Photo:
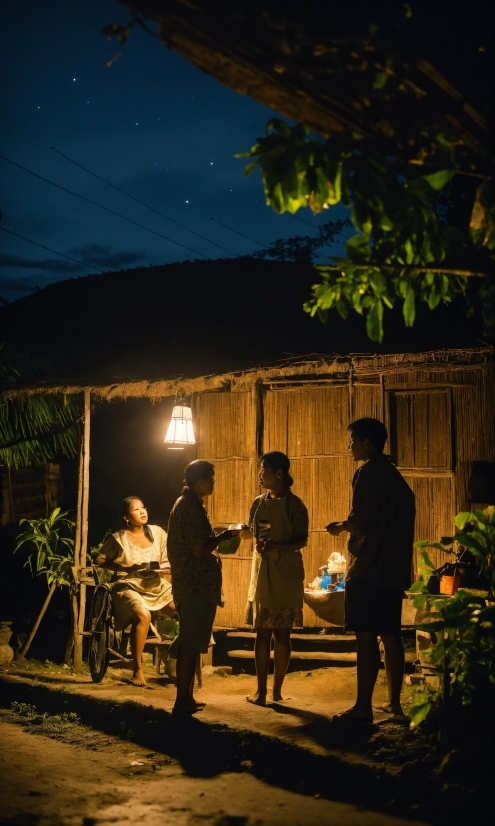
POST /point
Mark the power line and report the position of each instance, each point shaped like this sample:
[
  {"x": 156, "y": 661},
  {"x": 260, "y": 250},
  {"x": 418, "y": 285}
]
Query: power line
[
  {"x": 55, "y": 252},
  {"x": 127, "y": 194},
  {"x": 239, "y": 233},
  {"x": 112, "y": 212},
  {"x": 304, "y": 222}
]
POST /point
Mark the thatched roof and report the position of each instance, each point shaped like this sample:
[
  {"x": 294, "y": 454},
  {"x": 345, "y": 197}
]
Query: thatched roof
[
  {"x": 317, "y": 62},
  {"x": 311, "y": 368}
]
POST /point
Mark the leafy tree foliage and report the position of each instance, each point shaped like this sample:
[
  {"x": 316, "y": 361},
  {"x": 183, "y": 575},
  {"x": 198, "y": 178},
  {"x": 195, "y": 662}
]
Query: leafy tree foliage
[
  {"x": 399, "y": 94},
  {"x": 405, "y": 248}
]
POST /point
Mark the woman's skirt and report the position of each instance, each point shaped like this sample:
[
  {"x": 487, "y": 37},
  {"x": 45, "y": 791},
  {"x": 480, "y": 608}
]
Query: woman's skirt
[
  {"x": 126, "y": 601},
  {"x": 277, "y": 618}
]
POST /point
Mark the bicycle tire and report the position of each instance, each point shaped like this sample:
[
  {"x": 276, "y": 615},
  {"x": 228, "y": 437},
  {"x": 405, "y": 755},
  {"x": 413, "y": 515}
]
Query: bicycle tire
[{"x": 100, "y": 615}]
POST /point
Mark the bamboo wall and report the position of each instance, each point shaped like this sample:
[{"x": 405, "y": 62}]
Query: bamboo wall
[
  {"x": 30, "y": 493},
  {"x": 440, "y": 420}
]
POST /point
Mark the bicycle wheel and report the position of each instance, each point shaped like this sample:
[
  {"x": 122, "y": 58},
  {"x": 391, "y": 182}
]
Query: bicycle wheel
[{"x": 100, "y": 633}]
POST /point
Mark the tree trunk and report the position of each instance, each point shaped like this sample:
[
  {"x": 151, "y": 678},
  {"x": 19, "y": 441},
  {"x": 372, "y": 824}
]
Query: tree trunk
[{"x": 41, "y": 614}]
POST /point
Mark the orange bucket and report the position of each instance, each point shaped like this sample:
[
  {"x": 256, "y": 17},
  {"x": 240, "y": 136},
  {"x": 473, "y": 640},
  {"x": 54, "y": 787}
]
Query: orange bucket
[{"x": 449, "y": 585}]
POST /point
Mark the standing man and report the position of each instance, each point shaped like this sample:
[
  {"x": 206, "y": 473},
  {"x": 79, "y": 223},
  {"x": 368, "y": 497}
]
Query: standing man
[{"x": 381, "y": 528}]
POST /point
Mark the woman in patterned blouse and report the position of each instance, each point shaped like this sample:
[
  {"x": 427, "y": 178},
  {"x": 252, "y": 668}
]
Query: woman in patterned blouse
[{"x": 196, "y": 575}]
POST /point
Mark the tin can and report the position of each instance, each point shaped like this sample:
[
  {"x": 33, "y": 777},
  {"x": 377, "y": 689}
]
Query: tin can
[{"x": 264, "y": 529}]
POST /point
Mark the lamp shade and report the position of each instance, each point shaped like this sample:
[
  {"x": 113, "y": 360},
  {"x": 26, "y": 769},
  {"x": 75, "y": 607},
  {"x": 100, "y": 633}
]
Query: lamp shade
[{"x": 180, "y": 430}]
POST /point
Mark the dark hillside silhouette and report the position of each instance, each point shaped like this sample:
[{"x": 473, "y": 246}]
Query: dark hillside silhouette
[{"x": 201, "y": 317}]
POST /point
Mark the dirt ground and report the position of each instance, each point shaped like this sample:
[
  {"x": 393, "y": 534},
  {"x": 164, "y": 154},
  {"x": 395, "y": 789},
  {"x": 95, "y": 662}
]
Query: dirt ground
[
  {"x": 233, "y": 764},
  {"x": 44, "y": 782}
]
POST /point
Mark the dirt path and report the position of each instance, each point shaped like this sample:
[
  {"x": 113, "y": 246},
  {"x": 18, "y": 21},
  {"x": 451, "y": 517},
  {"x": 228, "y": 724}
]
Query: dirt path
[{"x": 97, "y": 781}]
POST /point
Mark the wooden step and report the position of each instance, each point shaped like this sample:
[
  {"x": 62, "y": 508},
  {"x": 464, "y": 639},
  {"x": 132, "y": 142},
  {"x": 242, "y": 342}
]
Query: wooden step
[
  {"x": 301, "y": 642},
  {"x": 341, "y": 657},
  {"x": 318, "y": 638}
]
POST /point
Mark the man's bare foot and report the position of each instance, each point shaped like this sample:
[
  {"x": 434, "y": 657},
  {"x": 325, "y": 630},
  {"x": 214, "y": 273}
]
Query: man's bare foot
[
  {"x": 189, "y": 706},
  {"x": 356, "y": 714},
  {"x": 390, "y": 708},
  {"x": 185, "y": 707},
  {"x": 277, "y": 698},
  {"x": 138, "y": 679},
  {"x": 257, "y": 699}
]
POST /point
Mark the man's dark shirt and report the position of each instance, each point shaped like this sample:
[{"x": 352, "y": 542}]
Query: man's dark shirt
[{"x": 382, "y": 514}]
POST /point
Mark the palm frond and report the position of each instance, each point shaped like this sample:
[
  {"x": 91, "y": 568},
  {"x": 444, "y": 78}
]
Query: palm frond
[{"x": 34, "y": 429}]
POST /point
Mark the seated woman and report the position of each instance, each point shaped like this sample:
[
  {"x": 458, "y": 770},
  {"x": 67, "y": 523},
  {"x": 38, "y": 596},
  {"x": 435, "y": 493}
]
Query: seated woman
[{"x": 138, "y": 590}]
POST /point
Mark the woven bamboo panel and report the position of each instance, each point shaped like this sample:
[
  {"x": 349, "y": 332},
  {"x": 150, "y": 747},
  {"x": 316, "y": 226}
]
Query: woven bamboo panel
[
  {"x": 435, "y": 511},
  {"x": 366, "y": 400},
  {"x": 227, "y": 425},
  {"x": 306, "y": 421},
  {"x": 317, "y": 420},
  {"x": 275, "y": 420},
  {"x": 420, "y": 429},
  {"x": 331, "y": 490},
  {"x": 235, "y": 490},
  {"x": 236, "y": 574},
  {"x": 469, "y": 425}
]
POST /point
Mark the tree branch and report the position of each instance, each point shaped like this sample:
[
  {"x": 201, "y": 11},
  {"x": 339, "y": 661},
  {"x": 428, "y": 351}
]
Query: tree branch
[{"x": 412, "y": 268}]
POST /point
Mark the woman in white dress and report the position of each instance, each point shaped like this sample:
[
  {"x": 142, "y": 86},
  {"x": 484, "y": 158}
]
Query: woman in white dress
[
  {"x": 138, "y": 589},
  {"x": 278, "y": 522}
]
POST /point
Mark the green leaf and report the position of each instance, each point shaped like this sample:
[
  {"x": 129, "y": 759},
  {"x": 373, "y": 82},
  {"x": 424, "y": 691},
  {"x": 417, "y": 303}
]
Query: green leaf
[
  {"x": 250, "y": 168},
  {"x": 409, "y": 308},
  {"x": 358, "y": 248},
  {"x": 374, "y": 321},
  {"x": 437, "y": 180}
]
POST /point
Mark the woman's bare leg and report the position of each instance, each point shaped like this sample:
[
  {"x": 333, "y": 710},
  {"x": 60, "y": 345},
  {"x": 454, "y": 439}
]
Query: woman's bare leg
[
  {"x": 281, "y": 658},
  {"x": 262, "y": 659},
  {"x": 140, "y": 624}
]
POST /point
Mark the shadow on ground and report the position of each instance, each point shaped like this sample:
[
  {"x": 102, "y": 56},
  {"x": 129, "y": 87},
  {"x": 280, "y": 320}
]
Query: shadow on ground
[{"x": 206, "y": 750}]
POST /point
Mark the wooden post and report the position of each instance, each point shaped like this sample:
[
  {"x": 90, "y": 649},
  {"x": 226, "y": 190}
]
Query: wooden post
[{"x": 81, "y": 538}]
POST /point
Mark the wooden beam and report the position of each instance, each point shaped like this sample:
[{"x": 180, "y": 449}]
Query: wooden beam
[{"x": 81, "y": 537}]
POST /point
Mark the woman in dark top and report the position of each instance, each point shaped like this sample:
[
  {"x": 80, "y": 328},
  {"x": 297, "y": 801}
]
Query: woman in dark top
[{"x": 196, "y": 575}]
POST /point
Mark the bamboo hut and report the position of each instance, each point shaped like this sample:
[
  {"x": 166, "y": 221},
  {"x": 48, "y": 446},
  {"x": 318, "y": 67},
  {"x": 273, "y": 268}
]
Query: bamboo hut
[{"x": 438, "y": 407}]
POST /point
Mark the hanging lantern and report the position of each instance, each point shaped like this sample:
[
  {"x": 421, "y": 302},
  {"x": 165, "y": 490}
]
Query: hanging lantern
[{"x": 180, "y": 430}]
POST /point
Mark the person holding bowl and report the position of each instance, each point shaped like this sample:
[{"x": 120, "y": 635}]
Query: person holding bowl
[
  {"x": 278, "y": 521},
  {"x": 196, "y": 576},
  {"x": 137, "y": 553}
]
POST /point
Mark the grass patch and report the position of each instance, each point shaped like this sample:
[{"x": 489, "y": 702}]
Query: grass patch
[{"x": 65, "y": 727}]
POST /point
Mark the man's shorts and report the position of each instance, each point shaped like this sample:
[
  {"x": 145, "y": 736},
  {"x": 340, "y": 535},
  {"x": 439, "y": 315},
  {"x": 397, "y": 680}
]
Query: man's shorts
[
  {"x": 370, "y": 608},
  {"x": 196, "y": 618}
]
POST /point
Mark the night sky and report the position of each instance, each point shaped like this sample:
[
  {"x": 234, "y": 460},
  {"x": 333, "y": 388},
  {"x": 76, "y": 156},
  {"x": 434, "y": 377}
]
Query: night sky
[{"x": 151, "y": 124}]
